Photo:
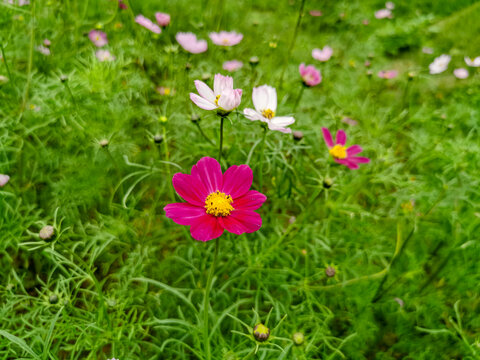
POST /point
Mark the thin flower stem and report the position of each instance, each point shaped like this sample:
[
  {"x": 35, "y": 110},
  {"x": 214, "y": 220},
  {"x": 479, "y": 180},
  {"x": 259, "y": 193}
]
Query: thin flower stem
[
  {"x": 206, "y": 302},
  {"x": 292, "y": 44},
  {"x": 222, "y": 118},
  {"x": 10, "y": 77},
  {"x": 300, "y": 94},
  {"x": 30, "y": 61},
  {"x": 262, "y": 158},
  {"x": 167, "y": 160},
  {"x": 203, "y": 134}
]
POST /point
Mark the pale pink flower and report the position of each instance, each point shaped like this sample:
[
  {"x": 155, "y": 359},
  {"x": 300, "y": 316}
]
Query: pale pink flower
[
  {"x": 148, "y": 24},
  {"x": 122, "y": 5},
  {"x": 104, "y": 55},
  {"x": 310, "y": 75},
  {"x": 349, "y": 121},
  {"x": 43, "y": 50},
  {"x": 232, "y": 65},
  {"x": 162, "y": 19},
  {"x": 473, "y": 63},
  {"x": 460, "y": 73},
  {"x": 47, "y": 42},
  {"x": 388, "y": 74},
  {"x": 99, "y": 38},
  {"x": 365, "y": 22},
  {"x": 4, "y": 179},
  {"x": 189, "y": 42},
  {"x": 265, "y": 101},
  {"x": 440, "y": 64},
  {"x": 225, "y": 38},
  {"x": 224, "y": 97},
  {"x": 427, "y": 50},
  {"x": 390, "y": 5},
  {"x": 322, "y": 54},
  {"x": 383, "y": 13},
  {"x": 315, "y": 13}
]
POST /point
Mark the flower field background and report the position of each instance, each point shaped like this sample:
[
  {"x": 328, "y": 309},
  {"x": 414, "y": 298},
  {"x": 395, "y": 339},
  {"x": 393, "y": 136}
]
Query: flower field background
[{"x": 101, "y": 104}]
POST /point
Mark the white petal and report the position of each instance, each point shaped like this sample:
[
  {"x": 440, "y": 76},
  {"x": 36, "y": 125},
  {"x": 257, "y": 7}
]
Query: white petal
[
  {"x": 205, "y": 91},
  {"x": 279, "y": 128},
  {"x": 222, "y": 83},
  {"x": 260, "y": 98},
  {"x": 253, "y": 115},
  {"x": 228, "y": 100},
  {"x": 280, "y": 121},
  {"x": 272, "y": 98},
  {"x": 201, "y": 102}
]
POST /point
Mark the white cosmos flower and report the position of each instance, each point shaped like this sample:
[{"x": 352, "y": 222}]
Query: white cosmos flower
[
  {"x": 265, "y": 101},
  {"x": 440, "y": 64},
  {"x": 223, "y": 98},
  {"x": 473, "y": 63}
]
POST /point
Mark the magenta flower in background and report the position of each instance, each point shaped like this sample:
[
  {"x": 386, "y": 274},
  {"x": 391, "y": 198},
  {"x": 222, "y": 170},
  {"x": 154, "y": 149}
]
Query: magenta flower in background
[
  {"x": 388, "y": 74},
  {"x": 461, "y": 73},
  {"x": 226, "y": 38},
  {"x": 148, "y": 24},
  {"x": 473, "y": 63},
  {"x": 190, "y": 43},
  {"x": 122, "y": 5},
  {"x": 310, "y": 75},
  {"x": 99, "y": 38},
  {"x": 315, "y": 13},
  {"x": 440, "y": 64},
  {"x": 232, "y": 65},
  {"x": 223, "y": 97},
  {"x": 216, "y": 202},
  {"x": 265, "y": 101},
  {"x": 340, "y": 153},
  {"x": 162, "y": 19},
  {"x": 390, "y": 5},
  {"x": 104, "y": 55},
  {"x": 4, "y": 179},
  {"x": 322, "y": 54},
  {"x": 383, "y": 13}
]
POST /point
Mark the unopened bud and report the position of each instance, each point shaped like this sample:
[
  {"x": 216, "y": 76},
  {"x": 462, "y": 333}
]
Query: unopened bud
[
  {"x": 298, "y": 338},
  {"x": 47, "y": 232},
  {"x": 103, "y": 143},
  {"x": 206, "y": 76},
  {"x": 330, "y": 271},
  {"x": 157, "y": 139},
  {"x": 188, "y": 66},
  {"x": 53, "y": 299},
  {"x": 297, "y": 135},
  {"x": 254, "y": 60},
  {"x": 261, "y": 332},
  {"x": 327, "y": 183},
  {"x": 195, "y": 118},
  {"x": 63, "y": 78}
]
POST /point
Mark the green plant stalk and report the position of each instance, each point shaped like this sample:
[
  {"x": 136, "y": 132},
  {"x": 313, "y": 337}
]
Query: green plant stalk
[
  {"x": 167, "y": 160},
  {"x": 262, "y": 159},
  {"x": 30, "y": 61},
  {"x": 206, "y": 302},
  {"x": 10, "y": 77},
  {"x": 203, "y": 134},
  {"x": 222, "y": 118},
  {"x": 300, "y": 94}
]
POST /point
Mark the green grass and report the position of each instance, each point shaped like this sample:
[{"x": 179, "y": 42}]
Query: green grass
[{"x": 121, "y": 280}]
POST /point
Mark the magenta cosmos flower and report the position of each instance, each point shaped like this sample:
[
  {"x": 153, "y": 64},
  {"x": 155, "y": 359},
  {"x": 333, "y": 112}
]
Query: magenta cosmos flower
[
  {"x": 98, "y": 38},
  {"x": 216, "y": 201},
  {"x": 162, "y": 19},
  {"x": 148, "y": 24},
  {"x": 190, "y": 43},
  {"x": 322, "y": 54},
  {"x": 232, "y": 65},
  {"x": 224, "y": 97},
  {"x": 310, "y": 75},
  {"x": 265, "y": 101},
  {"x": 340, "y": 153},
  {"x": 225, "y": 38}
]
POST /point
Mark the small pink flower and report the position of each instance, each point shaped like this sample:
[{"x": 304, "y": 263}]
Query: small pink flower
[
  {"x": 388, "y": 74},
  {"x": 315, "y": 13},
  {"x": 460, "y": 73},
  {"x": 216, "y": 202},
  {"x": 310, "y": 75},
  {"x": 225, "y": 38},
  {"x": 122, "y": 5},
  {"x": 43, "y": 50},
  {"x": 473, "y": 63},
  {"x": 383, "y": 13},
  {"x": 349, "y": 121},
  {"x": 322, "y": 54},
  {"x": 4, "y": 179},
  {"x": 390, "y": 5},
  {"x": 99, "y": 38},
  {"x": 47, "y": 42},
  {"x": 340, "y": 153},
  {"x": 232, "y": 65},
  {"x": 224, "y": 97},
  {"x": 365, "y": 22},
  {"x": 190, "y": 43},
  {"x": 148, "y": 24},
  {"x": 162, "y": 19},
  {"x": 104, "y": 55},
  {"x": 265, "y": 101},
  {"x": 427, "y": 50}
]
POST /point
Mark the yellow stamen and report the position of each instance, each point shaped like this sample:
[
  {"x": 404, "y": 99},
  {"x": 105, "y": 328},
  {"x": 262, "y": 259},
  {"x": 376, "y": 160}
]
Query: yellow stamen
[
  {"x": 269, "y": 114},
  {"x": 338, "y": 152},
  {"x": 216, "y": 99},
  {"x": 219, "y": 204},
  {"x": 225, "y": 41},
  {"x": 167, "y": 91}
]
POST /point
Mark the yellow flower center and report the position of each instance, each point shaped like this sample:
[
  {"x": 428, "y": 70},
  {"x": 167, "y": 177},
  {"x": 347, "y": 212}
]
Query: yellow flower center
[
  {"x": 269, "y": 114},
  {"x": 338, "y": 152},
  {"x": 167, "y": 91},
  {"x": 97, "y": 38},
  {"x": 219, "y": 204},
  {"x": 262, "y": 329},
  {"x": 216, "y": 99},
  {"x": 225, "y": 41}
]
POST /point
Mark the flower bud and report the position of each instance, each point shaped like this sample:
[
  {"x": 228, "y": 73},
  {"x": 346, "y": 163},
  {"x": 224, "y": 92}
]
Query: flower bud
[
  {"x": 254, "y": 60},
  {"x": 157, "y": 139},
  {"x": 103, "y": 143},
  {"x": 261, "y": 332},
  {"x": 195, "y": 118},
  {"x": 63, "y": 78},
  {"x": 330, "y": 271},
  {"x": 206, "y": 76},
  {"x": 53, "y": 299},
  {"x": 297, "y": 135},
  {"x": 298, "y": 338},
  {"x": 4, "y": 179},
  {"x": 188, "y": 66},
  {"x": 47, "y": 233},
  {"x": 163, "y": 119},
  {"x": 327, "y": 183}
]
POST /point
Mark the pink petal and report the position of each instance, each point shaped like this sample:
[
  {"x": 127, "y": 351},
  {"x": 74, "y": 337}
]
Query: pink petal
[
  {"x": 204, "y": 91},
  {"x": 328, "y": 137},
  {"x": 241, "y": 221},
  {"x": 341, "y": 137},
  {"x": 183, "y": 214},
  {"x": 347, "y": 162},
  {"x": 252, "y": 200},
  {"x": 190, "y": 189},
  {"x": 354, "y": 150},
  {"x": 237, "y": 180},
  {"x": 201, "y": 102},
  {"x": 360, "y": 160},
  {"x": 206, "y": 227},
  {"x": 208, "y": 171}
]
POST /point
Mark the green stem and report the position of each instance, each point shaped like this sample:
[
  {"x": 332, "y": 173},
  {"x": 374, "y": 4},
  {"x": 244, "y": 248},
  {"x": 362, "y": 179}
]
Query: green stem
[
  {"x": 262, "y": 158},
  {"x": 30, "y": 61},
  {"x": 10, "y": 77},
  {"x": 167, "y": 159},
  {"x": 299, "y": 98},
  {"x": 222, "y": 118},
  {"x": 206, "y": 302},
  {"x": 202, "y": 133}
]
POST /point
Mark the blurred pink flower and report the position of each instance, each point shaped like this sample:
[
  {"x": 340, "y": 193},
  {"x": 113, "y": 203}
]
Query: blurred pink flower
[
  {"x": 439, "y": 64},
  {"x": 99, "y": 38},
  {"x": 148, "y": 24},
  {"x": 322, "y": 54},
  {"x": 43, "y": 50},
  {"x": 232, "y": 65},
  {"x": 47, "y": 42},
  {"x": 365, "y": 22},
  {"x": 315, "y": 13},
  {"x": 4, "y": 179},
  {"x": 388, "y": 74},
  {"x": 473, "y": 63},
  {"x": 225, "y": 38},
  {"x": 383, "y": 13},
  {"x": 265, "y": 101},
  {"x": 224, "y": 97},
  {"x": 460, "y": 73},
  {"x": 390, "y": 5},
  {"x": 349, "y": 121},
  {"x": 341, "y": 154},
  {"x": 427, "y": 50},
  {"x": 165, "y": 91},
  {"x": 104, "y": 55},
  {"x": 310, "y": 75},
  {"x": 189, "y": 42},
  {"x": 162, "y": 19},
  {"x": 122, "y": 5}
]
